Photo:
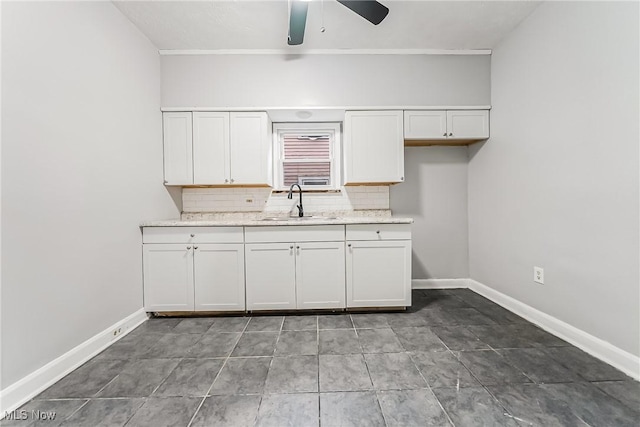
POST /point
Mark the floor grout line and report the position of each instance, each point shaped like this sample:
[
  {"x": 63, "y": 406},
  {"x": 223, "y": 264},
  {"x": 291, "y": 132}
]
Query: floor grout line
[{"x": 217, "y": 375}]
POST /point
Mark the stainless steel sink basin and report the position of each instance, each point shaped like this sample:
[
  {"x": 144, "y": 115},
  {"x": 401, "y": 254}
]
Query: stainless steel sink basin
[{"x": 296, "y": 218}]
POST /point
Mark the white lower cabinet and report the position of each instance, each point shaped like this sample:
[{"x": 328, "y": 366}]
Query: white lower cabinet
[
  {"x": 379, "y": 274},
  {"x": 378, "y": 265},
  {"x": 306, "y": 275},
  {"x": 189, "y": 269},
  {"x": 218, "y": 277},
  {"x": 271, "y": 276},
  {"x": 320, "y": 275},
  {"x": 276, "y": 267},
  {"x": 168, "y": 277}
]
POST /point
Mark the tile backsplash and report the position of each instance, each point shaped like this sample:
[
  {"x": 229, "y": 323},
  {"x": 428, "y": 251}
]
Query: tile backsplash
[{"x": 257, "y": 199}]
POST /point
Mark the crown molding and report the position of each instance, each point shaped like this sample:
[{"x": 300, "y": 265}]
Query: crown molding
[{"x": 170, "y": 52}]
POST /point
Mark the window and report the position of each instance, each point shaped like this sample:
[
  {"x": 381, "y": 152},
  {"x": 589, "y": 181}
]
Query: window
[{"x": 307, "y": 154}]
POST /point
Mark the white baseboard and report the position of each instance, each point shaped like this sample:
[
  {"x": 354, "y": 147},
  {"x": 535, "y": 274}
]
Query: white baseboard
[
  {"x": 30, "y": 386},
  {"x": 438, "y": 283},
  {"x": 603, "y": 350}
]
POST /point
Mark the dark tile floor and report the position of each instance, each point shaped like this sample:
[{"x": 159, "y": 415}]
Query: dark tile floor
[{"x": 455, "y": 358}]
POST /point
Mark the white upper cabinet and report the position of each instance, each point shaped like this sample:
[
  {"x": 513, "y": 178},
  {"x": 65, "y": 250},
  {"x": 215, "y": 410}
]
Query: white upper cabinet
[
  {"x": 210, "y": 148},
  {"x": 451, "y": 126},
  {"x": 178, "y": 154},
  {"x": 373, "y": 147},
  {"x": 250, "y": 149},
  {"x": 217, "y": 148},
  {"x": 422, "y": 124},
  {"x": 468, "y": 124}
]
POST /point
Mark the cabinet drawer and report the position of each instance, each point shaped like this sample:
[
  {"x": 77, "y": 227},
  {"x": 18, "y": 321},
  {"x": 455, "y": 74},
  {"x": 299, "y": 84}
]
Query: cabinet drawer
[
  {"x": 294, "y": 233},
  {"x": 379, "y": 232},
  {"x": 192, "y": 235}
]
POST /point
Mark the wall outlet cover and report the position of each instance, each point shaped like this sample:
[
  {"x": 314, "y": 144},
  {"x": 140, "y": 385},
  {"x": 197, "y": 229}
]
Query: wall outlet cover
[{"x": 538, "y": 275}]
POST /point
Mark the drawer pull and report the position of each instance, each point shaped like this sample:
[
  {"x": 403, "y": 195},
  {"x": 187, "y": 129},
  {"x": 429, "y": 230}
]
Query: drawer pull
[
  {"x": 193, "y": 235},
  {"x": 377, "y": 231},
  {"x": 195, "y": 247},
  {"x": 188, "y": 247}
]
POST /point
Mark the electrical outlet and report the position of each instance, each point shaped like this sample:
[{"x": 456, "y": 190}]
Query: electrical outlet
[
  {"x": 538, "y": 275},
  {"x": 117, "y": 332}
]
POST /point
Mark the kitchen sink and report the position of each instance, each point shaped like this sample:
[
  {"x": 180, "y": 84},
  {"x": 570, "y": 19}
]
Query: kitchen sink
[{"x": 296, "y": 218}]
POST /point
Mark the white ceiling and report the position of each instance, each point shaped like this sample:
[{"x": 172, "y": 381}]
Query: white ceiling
[{"x": 245, "y": 24}]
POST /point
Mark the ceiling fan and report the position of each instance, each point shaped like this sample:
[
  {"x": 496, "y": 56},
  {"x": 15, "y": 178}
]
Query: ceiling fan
[{"x": 371, "y": 10}]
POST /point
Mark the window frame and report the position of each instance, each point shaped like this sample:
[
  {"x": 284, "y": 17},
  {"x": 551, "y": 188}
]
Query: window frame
[{"x": 334, "y": 129}]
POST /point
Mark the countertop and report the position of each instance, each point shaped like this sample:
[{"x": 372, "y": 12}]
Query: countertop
[{"x": 242, "y": 222}]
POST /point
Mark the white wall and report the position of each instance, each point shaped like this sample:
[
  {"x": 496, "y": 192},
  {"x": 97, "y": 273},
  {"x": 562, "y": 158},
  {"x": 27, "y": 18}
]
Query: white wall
[
  {"x": 435, "y": 195},
  {"x": 324, "y": 80},
  {"x": 81, "y": 167},
  {"x": 557, "y": 185},
  {"x": 435, "y": 189}
]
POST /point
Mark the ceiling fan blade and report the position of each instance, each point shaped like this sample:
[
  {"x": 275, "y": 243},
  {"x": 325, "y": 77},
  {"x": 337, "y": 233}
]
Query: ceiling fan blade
[
  {"x": 370, "y": 10},
  {"x": 297, "y": 22}
]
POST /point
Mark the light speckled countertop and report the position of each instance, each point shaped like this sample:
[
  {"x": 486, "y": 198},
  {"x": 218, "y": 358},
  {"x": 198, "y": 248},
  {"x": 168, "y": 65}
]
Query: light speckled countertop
[{"x": 245, "y": 222}]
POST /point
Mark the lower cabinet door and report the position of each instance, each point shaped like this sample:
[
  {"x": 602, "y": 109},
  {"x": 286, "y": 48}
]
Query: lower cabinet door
[
  {"x": 320, "y": 281},
  {"x": 168, "y": 277},
  {"x": 219, "y": 277},
  {"x": 379, "y": 273},
  {"x": 270, "y": 276}
]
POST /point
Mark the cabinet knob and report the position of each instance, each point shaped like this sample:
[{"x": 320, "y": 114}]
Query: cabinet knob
[
  {"x": 195, "y": 247},
  {"x": 297, "y": 247},
  {"x": 349, "y": 245},
  {"x": 231, "y": 179},
  {"x": 188, "y": 247},
  {"x": 450, "y": 133},
  {"x": 226, "y": 180},
  {"x": 402, "y": 178},
  {"x": 193, "y": 235},
  {"x": 290, "y": 247},
  {"x": 444, "y": 134}
]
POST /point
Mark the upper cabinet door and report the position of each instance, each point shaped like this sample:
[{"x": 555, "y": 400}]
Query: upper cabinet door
[
  {"x": 211, "y": 148},
  {"x": 425, "y": 125},
  {"x": 250, "y": 148},
  {"x": 373, "y": 147},
  {"x": 178, "y": 154},
  {"x": 468, "y": 124}
]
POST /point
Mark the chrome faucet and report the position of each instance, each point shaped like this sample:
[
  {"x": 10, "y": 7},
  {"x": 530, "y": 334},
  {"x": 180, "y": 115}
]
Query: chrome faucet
[{"x": 290, "y": 196}]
